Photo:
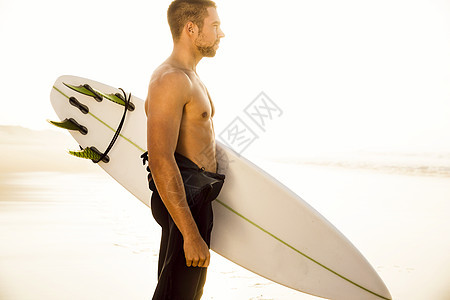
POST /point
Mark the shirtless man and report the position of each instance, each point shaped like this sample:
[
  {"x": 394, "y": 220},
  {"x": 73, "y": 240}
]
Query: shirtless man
[{"x": 179, "y": 113}]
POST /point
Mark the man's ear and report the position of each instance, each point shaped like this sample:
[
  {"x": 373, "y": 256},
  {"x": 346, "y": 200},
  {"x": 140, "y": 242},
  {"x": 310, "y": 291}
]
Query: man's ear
[{"x": 191, "y": 28}]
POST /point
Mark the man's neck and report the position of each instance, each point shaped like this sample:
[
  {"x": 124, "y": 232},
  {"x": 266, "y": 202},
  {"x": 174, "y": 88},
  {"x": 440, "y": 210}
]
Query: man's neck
[{"x": 184, "y": 57}]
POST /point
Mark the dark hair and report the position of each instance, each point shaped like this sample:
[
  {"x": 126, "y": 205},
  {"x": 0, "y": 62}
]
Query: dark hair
[{"x": 182, "y": 11}]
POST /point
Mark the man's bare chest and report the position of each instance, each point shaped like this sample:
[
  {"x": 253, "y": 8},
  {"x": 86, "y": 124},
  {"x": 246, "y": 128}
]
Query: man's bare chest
[{"x": 200, "y": 106}]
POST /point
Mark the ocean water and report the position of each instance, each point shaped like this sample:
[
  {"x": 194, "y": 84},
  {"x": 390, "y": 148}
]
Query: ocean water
[{"x": 82, "y": 236}]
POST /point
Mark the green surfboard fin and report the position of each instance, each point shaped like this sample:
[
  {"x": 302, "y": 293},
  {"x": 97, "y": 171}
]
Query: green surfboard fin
[
  {"x": 70, "y": 124},
  {"x": 89, "y": 153},
  {"x": 87, "y": 90},
  {"x": 118, "y": 98}
]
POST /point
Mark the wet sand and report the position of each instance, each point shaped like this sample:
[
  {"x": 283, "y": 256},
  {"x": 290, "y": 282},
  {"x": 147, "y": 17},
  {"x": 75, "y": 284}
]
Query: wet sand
[
  {"x": 69, "y": 231},
  {"x": 82, "y": 236}
]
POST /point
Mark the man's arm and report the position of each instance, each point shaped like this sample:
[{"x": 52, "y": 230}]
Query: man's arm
[{"x": 166, "y": 99}]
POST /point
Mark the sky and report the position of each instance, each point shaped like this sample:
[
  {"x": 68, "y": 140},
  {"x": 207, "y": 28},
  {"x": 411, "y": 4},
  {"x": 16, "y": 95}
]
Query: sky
[{"x": 347, "y": 75}]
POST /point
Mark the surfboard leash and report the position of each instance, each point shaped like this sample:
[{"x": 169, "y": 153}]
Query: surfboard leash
[{"x": 127, "y": 100}]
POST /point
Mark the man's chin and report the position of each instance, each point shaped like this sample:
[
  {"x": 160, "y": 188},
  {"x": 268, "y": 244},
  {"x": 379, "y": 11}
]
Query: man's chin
[
  {"x": 211, "y": 54},
  {"x": 207, "y": 51}
]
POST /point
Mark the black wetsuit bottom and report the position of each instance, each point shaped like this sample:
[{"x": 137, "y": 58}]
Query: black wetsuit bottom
[{"x": 176, "y": 281}]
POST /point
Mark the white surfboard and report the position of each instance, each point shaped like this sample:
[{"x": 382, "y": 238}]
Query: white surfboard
[{"x": 259, "y": 223}]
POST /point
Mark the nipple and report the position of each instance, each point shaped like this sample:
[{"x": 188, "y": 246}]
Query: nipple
[{"x": 204, "y": 114}]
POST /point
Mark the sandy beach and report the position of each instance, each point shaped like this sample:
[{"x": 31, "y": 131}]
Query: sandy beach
[
  {"x": 69, "y": 231},
  {"x": 347, "y": 103}
]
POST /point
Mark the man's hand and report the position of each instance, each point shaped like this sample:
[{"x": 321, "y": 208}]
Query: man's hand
[{"x": 196, "y": 252}]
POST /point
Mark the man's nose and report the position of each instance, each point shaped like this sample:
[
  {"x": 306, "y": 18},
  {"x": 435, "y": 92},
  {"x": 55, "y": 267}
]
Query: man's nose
[{"x": 221, "y": 34}]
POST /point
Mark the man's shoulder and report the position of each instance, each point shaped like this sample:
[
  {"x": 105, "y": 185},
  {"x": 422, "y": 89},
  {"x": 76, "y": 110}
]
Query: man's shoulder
[
  {"x": 169, "y": 76},
  {"x": 170, "y": 83}
]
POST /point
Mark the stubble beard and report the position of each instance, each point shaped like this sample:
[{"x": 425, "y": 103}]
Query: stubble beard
[{"x": 206, "y": 51}]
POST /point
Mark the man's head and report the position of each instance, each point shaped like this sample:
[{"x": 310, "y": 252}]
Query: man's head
[
  {"x": 181, "y": 12},
  {"x": 199, "y": 19}
]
